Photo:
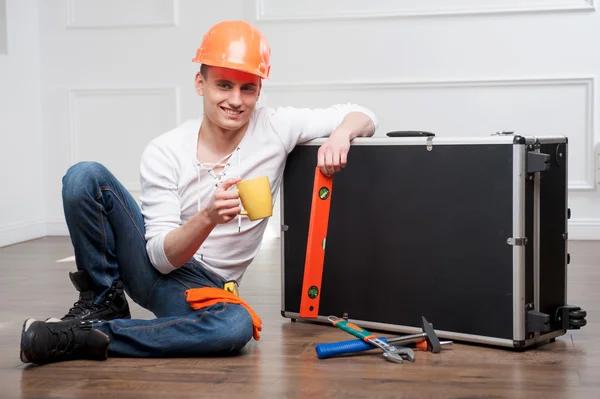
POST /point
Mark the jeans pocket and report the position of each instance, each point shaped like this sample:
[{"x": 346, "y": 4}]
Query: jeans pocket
[{"x": 197, "y": 275}]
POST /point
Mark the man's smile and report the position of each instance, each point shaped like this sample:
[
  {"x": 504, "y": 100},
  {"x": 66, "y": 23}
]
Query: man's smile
[{"x": 230, "y": 111}]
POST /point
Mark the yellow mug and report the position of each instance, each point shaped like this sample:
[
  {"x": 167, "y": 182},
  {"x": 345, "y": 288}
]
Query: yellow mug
[{"x": 255, "y": 195}]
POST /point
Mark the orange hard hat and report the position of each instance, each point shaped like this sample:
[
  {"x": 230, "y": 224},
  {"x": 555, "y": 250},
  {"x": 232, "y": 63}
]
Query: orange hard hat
[{"x": 236, "y": 45}]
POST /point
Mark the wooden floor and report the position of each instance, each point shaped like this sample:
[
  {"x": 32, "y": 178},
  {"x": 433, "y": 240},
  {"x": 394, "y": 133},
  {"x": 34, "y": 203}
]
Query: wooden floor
[{"x": 283, "y": 364}]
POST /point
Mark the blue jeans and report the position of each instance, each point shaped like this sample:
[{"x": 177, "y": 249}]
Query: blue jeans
[{"x": 107, "y": 231}]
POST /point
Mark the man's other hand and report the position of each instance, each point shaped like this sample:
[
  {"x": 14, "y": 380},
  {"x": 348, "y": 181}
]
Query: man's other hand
[{"x": 333, "y": 154}]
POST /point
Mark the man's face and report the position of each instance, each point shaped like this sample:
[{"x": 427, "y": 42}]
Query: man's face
[{"x": 230, "y": 96}]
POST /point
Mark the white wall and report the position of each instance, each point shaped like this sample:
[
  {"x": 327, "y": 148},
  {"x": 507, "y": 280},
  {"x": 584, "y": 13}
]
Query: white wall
[
  {"x": 115, "y": 74},
  {"x": 454, "y": 67},
  {"x": 3, "y": 28},
  {"x": 21, "y": 139}
]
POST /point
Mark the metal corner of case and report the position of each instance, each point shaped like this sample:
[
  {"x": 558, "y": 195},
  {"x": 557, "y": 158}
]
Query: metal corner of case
[
  {"x": 519, "y": 344},
  {"x": 283, "y": 314},
  {"x": 519, "y": 140}
]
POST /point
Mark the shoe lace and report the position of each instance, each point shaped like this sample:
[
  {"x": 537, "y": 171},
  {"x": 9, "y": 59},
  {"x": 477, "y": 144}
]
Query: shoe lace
[
  {"x": 66, "y": 342},
  {"x": 81, "y": 307}
]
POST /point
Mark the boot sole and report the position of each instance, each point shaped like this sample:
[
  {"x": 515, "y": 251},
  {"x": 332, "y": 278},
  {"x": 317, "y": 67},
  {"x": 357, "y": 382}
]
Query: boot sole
[
  {"x": 25, "y": 339},
  {"x": 55, "y": 320}
]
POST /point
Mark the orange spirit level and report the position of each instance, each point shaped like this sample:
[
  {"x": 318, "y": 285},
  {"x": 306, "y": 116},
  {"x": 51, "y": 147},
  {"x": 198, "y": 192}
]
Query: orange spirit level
[{"x": 315, "y": 248}]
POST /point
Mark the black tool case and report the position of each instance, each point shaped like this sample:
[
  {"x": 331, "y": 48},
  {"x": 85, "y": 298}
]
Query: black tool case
[{"x": 469, "y": 232}]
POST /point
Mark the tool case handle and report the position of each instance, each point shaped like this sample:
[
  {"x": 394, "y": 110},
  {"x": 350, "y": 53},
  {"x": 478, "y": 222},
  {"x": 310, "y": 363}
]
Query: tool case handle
[{"x": 410, "y": 133}]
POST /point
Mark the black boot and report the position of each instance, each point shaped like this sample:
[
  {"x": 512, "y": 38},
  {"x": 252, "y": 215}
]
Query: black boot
[
  {"x": 43, "y": 343},
  {"x": 114, "y": 306}
]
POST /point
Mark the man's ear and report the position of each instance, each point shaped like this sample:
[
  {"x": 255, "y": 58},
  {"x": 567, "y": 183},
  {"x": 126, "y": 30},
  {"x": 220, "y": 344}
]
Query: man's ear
[
  {"x": 199, "y": 84},
  {"x": 259, "y": 88}
]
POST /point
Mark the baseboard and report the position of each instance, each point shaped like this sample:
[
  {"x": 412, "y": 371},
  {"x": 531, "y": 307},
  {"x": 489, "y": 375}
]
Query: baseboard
[
  {"x": 584, "y": 229},
  {"x": 56, "y": 227},
  {"x": 14, "y": 233}
]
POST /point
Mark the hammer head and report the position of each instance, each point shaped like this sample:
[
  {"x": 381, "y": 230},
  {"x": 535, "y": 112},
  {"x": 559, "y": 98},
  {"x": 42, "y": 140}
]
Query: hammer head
[{"x": 433, "y": 341}]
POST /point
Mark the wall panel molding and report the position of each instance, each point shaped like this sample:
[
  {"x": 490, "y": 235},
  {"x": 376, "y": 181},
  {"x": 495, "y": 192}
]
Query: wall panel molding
[
  {"x": 440, "y": 83},
  {"x": 278, "y": 10},
  {"x": 121, "y": 14},
  {"x": 165, "y": 116},
  {"x": 584, "y": 229},
  {"x": 586, "y": 84}
]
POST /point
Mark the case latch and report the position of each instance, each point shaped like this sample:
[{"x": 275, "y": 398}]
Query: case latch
[
  {"x": 537, "y": 321},
  {"x": 537, "y": 162},
  {"x": 516, "y": 241}
]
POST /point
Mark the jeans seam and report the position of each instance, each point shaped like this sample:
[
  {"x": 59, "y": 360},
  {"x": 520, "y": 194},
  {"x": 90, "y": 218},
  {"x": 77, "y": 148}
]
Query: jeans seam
[
  {"x": 240, "y": 328},
  {"x": 167, "y": 323},
  {"x": 103, "y": 236},
  {"x": 108, "y": 188},
  {"x": 158, "y": 280},
  {"x": 222, "y": 310}
]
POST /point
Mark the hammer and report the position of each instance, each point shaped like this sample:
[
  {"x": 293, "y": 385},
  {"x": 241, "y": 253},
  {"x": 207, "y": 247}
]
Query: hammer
[{"x": 428, "y": 336}]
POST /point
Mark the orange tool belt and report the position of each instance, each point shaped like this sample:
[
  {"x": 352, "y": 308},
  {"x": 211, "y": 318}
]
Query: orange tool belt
[{"x": 199, "y": 298}]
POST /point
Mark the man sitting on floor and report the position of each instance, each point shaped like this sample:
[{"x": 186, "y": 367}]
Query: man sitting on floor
[{"x": 189, "y": 233}]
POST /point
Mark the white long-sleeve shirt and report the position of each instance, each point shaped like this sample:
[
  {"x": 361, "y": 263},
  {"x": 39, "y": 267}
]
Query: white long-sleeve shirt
[{"x": 175, "y": 186}]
